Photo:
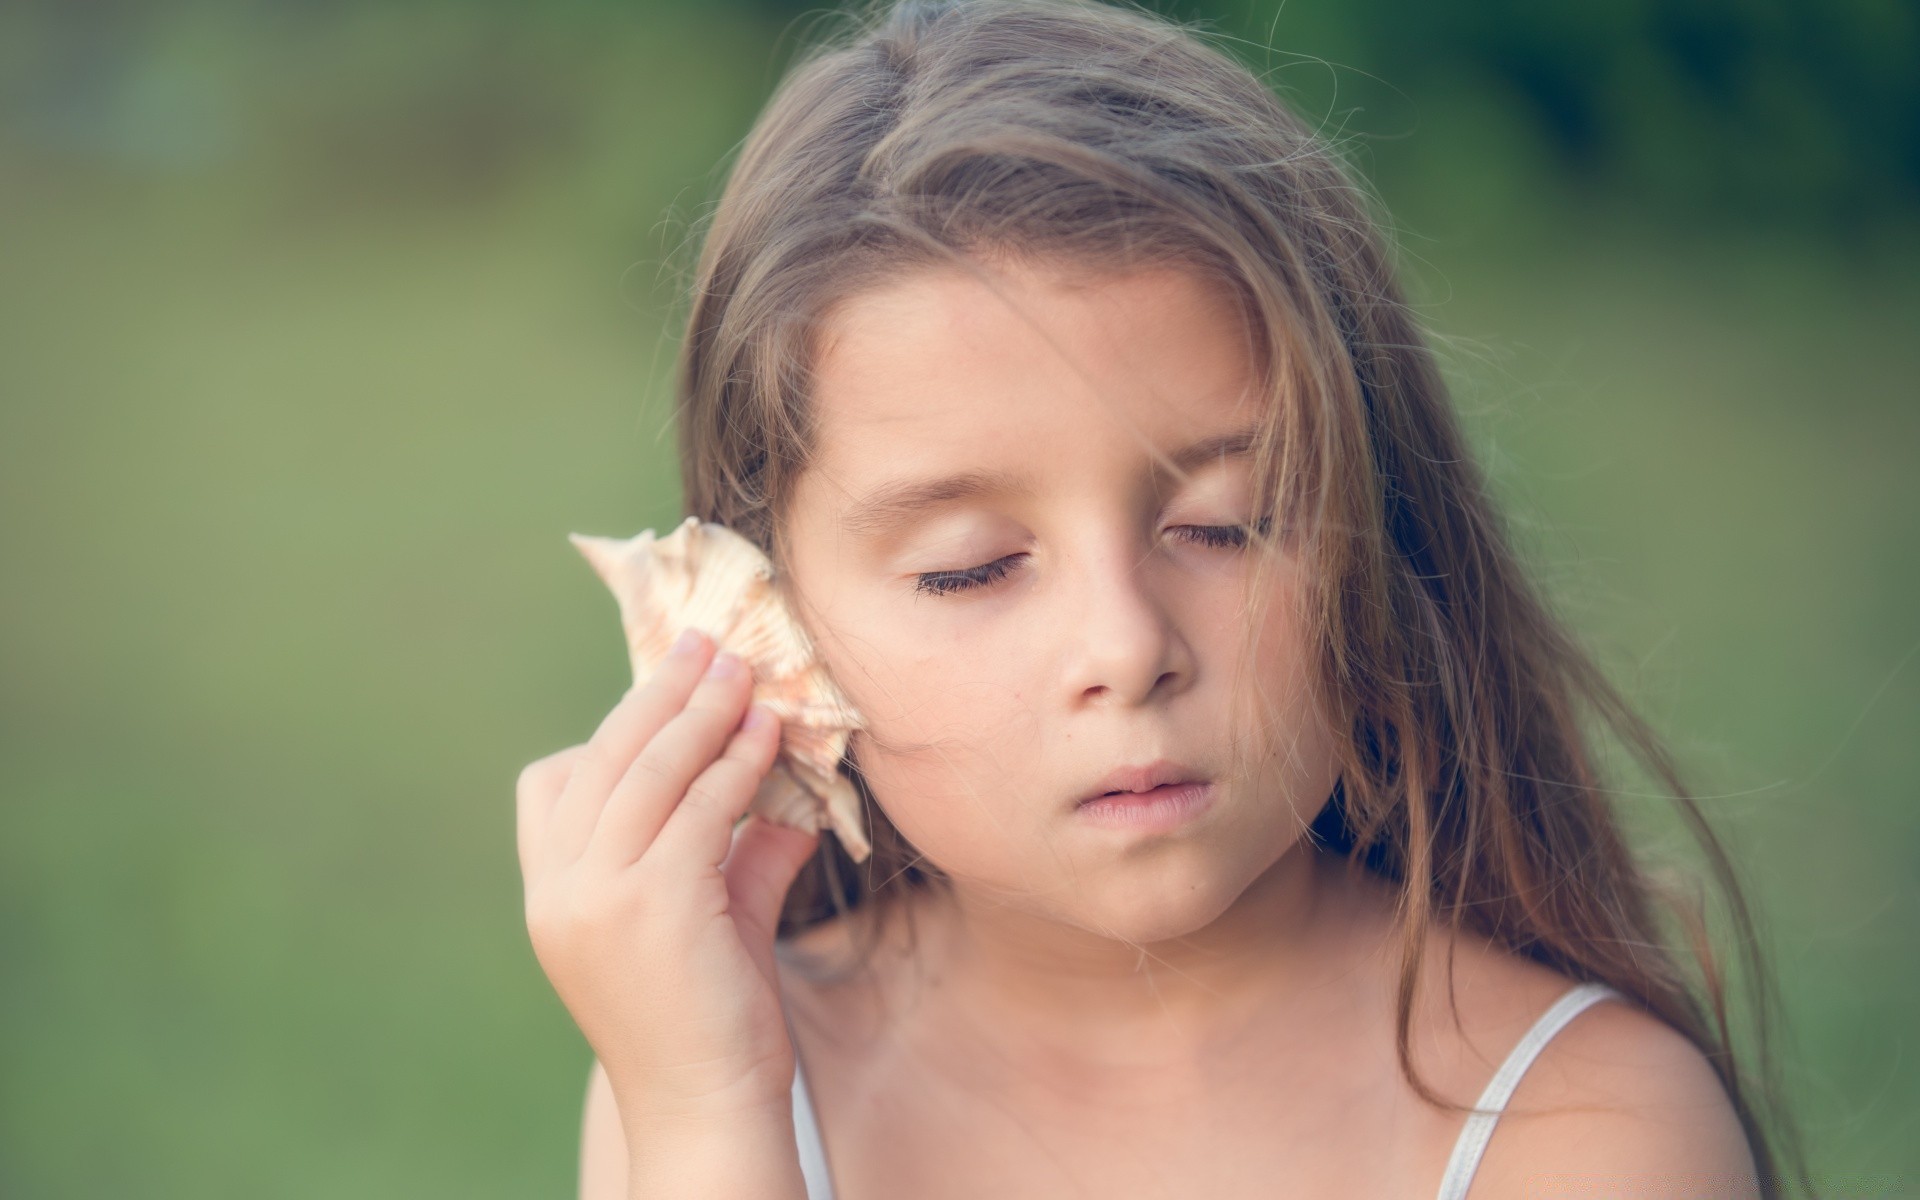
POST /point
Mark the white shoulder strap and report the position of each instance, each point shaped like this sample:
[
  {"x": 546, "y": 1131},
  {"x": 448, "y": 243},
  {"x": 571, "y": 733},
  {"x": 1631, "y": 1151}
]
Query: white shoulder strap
[
  {"x": 806, "y": 1129},
  {"x": 1479, "y": 1127}
]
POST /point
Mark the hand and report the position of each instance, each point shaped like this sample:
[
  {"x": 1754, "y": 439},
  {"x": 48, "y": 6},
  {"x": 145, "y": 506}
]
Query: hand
[{"x": 652, "y": 913}]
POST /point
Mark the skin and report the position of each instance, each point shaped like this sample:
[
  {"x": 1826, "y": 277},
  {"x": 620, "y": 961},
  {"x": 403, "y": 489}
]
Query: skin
[
  {"x": 1081, "y": 975},
  {"x": 1109, "y": 641},
  {"x": 1222, "y": 994}
]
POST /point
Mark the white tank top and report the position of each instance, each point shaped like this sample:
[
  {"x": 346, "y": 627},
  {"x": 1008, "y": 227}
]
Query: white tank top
[{"x": 1466, "y": 1150}]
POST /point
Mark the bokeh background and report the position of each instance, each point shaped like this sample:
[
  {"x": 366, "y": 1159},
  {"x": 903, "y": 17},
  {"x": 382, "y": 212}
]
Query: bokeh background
[{"x": 322, "y": 324}]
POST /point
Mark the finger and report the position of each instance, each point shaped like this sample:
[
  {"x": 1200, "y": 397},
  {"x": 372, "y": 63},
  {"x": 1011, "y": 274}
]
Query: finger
[
  {"x": 663, "y": 772},
  {"x": 539, "y": 786},
  {"x": 641, "y": 713},
  {"x": 698, "y": 833},
  {"x": 760, "y": 870}
]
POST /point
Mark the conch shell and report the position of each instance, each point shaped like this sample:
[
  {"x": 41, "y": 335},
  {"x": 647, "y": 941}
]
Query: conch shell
[{"x": 706, "y": 576}]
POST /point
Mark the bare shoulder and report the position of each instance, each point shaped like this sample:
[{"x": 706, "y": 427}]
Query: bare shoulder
[
  {"x": 1618, "y": 1103},
  {"x": 603, "y": 1143}
]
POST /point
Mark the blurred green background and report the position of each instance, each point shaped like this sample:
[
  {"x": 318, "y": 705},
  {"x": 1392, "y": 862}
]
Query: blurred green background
[{"x": 321, "y": 325}]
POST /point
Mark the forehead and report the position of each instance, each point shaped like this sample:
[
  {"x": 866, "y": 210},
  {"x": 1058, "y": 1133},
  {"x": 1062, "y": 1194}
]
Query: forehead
[{"x": 1031, "y": 370}]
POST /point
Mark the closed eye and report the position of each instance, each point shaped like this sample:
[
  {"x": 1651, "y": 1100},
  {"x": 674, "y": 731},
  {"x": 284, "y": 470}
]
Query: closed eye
[{"x": 945, "y": 583}]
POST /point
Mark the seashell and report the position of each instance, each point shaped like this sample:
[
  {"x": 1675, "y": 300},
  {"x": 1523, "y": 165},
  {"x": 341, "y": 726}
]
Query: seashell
[{"x": 705, "y": 576}]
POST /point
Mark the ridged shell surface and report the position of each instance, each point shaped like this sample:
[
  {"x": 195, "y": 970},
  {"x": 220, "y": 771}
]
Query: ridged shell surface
[{"x": 705, "y": 576}]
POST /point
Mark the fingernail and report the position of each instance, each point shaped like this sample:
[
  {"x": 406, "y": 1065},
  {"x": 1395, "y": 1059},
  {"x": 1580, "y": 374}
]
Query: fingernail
[
  {"x": 758, "y": 718},
  {"x": 684, "y": 644},
  {"x": 725, "y": 665}
]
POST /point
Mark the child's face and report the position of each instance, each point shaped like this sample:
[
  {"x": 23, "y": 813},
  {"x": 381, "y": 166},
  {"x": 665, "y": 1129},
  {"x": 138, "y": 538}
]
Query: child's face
[{"x": 1110, "y": 635}]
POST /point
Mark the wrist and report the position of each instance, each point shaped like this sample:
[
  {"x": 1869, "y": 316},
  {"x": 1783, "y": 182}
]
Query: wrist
[{"x": 749, "y": 1156}]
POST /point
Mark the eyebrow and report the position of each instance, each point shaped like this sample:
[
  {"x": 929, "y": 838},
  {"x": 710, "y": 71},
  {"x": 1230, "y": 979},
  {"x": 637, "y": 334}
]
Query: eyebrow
[{"x": 892, "y": 505}]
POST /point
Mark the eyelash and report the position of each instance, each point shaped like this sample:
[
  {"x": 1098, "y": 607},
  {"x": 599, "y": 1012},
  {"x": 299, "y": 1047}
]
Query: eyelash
[{"x": 946, "y": 583}]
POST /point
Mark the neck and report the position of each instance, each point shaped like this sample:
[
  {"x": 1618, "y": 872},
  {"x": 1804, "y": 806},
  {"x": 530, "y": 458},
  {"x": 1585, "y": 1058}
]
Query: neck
[{"x": 997, "y": 985}]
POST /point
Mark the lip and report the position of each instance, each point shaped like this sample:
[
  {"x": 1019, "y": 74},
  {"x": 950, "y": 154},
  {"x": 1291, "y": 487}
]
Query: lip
[
  {"x": 1157, "y": 810},
  {"x": 1143, "y": 778}
]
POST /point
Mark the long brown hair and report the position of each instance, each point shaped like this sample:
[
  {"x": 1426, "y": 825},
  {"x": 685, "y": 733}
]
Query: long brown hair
[{"x": 1107, "y": 137}]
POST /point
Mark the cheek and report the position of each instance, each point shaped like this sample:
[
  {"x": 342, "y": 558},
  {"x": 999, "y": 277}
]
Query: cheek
[
  {"x": 947, "y": 750},
  {"x": 1286, "y": 715},
  {"x": 918, "y": 704},
  {"x": 947, "y": 727},
  {"x": 920, "y": 690},
  {"x": 960, "y": 799}
]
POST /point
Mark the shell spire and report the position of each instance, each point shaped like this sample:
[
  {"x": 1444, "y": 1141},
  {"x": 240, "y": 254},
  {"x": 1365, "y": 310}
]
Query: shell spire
[{"x": 707, "y": 577}]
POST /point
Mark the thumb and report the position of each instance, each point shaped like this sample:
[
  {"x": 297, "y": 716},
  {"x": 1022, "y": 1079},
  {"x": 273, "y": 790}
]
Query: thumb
[{"x": 760, "y": 868}]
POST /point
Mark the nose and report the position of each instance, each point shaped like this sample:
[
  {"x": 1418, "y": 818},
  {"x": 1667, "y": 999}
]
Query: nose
[{"x": 1124, "y": 640}]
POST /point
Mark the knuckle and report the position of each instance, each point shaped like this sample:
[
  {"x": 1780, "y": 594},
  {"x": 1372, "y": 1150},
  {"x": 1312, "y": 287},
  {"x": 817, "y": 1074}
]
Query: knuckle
[
  {"x": 585, "y": 758},
  {"x": 558, "y": 915},
  {"x": 701, "y": 797},
  {"x": 715, "y": 790},
  {"x": 543, "y": 918},
  {"x": 541, "y": 774},
  {"x": 593, "y": 907},
  {"x": 649, "y": 769}
]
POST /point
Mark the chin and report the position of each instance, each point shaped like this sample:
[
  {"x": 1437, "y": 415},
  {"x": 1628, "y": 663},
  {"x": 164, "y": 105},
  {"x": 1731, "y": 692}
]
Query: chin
[{"x": 1178, "y": 904}]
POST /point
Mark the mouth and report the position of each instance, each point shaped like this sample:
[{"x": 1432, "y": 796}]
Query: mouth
[
  {"x": 1161, "y": 776},
  {"x": 1161, "y": 810}
]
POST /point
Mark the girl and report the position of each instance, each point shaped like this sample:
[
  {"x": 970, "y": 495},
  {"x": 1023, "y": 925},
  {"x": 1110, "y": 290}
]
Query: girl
[{"x": 1235, "y": 830}]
